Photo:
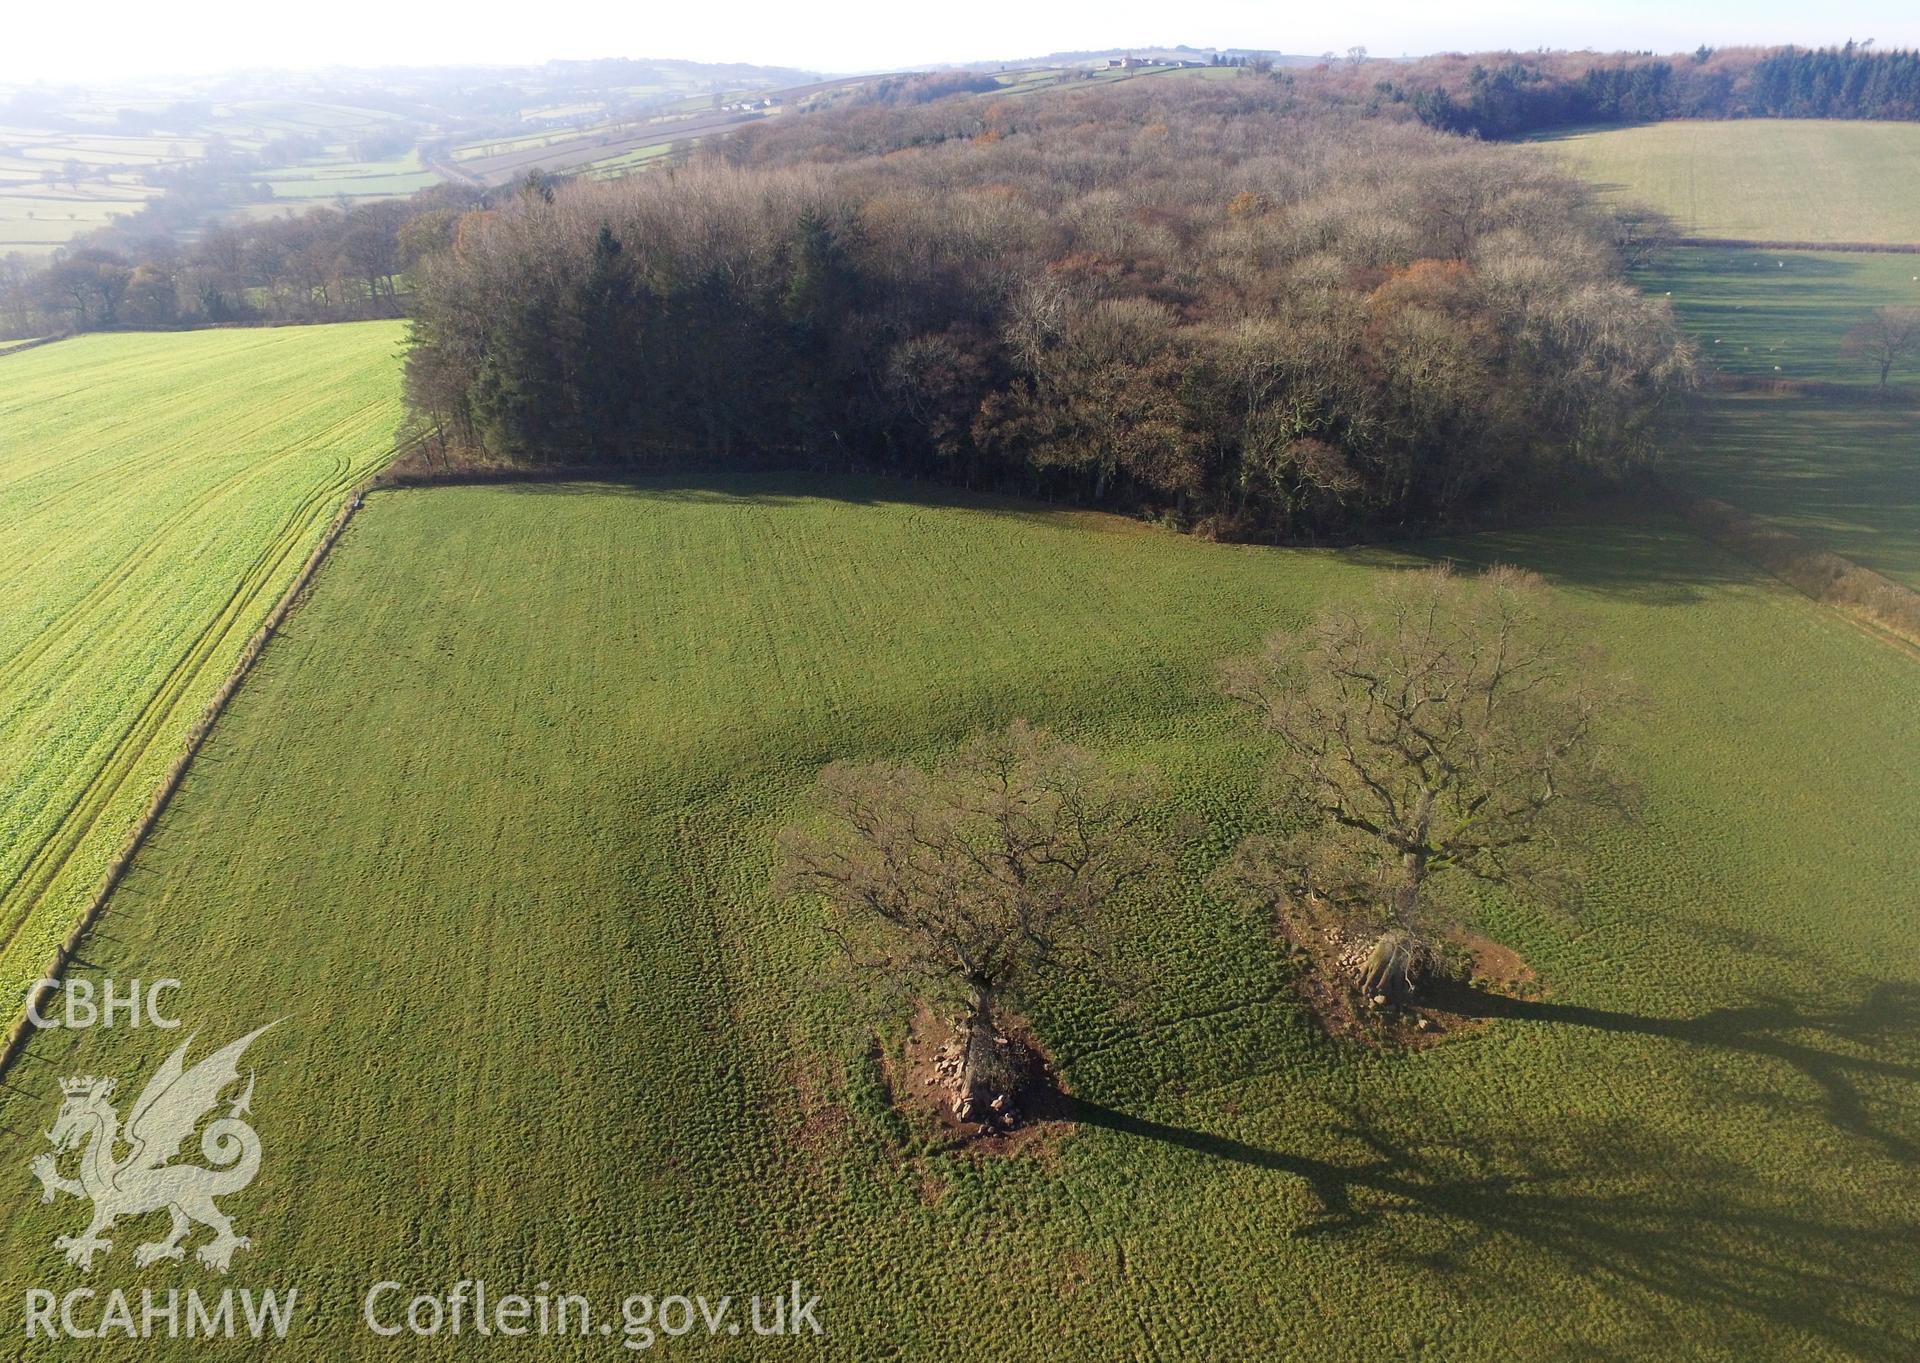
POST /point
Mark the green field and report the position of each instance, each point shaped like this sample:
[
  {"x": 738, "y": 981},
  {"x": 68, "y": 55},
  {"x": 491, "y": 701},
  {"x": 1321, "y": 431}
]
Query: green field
[
  {"x": 109, "y": 166},
  {"x": 35, "y": 219},
  {"x": 1782, "y": 314},
  {"x": 157, "y": 494},
  {"x": 1836, "y": 464},
  {"x": 391, "y": 178},
  {"x": 631, "y": 160},
  {"x": 489, "y": 827},
  {"x": 1805, "y": 180}
]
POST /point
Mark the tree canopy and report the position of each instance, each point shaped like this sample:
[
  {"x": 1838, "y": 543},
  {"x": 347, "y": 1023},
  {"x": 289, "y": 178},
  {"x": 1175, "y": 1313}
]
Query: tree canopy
[{"x": 1184, "y": 301}]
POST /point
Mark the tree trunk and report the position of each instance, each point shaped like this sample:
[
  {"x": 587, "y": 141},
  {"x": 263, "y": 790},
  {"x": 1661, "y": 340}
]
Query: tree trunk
[
  {"x": 1413, "y": 867},
  {"x": 1392, "y": 966},
  {"x": 1396, "y": 961},
  {"x": 983, "y": 1076}
]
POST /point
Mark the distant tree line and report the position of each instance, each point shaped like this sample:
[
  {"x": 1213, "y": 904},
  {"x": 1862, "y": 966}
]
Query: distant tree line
[
  {"x": 903, "y": 90},
  {"x": 325, "y": 264},
  {"x": 1510, "y": 97},
  {"x": 1183, "y": 301}
]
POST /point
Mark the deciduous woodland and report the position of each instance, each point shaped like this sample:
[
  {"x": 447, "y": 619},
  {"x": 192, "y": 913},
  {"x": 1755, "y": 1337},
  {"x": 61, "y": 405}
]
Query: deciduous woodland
[{"x": 1184, "y": 302}]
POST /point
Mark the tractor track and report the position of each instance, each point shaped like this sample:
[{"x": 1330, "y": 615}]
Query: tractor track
[{"x": 158, "y": 716}]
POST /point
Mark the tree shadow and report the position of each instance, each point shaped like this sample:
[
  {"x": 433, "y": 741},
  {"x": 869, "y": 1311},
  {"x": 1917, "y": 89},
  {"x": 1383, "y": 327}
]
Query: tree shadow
[
  {"x": 1660, "y": 1224},
  {"x": 1668, "y": 1228},
  {"x": 1642, "y": 554},
  {"x": 1887, "y": 1020},
  {"x": 778, "y": 488}
]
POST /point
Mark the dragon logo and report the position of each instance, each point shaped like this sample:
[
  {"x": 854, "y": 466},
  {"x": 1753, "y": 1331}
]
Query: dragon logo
[{"x": 169, "y": 1108}]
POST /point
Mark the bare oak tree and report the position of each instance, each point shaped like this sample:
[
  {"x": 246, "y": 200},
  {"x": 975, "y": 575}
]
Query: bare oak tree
[
  {"x": 1885, "y": 338},
  {"x": 960, "y": 883},
  {"x": 1445, "y": 734}
]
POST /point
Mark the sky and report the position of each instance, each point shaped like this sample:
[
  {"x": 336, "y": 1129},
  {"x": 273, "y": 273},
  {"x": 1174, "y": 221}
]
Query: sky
[{"x": 118, "y": 39}]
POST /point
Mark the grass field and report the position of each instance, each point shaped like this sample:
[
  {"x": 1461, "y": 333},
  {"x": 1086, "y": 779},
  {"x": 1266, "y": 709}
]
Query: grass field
[
  {"x": 1835, "y": 464},
  {"x": 1783, "y": 314},
  {"x": 107, "y": 167},
  {"x": 157, "y": 494},
  {"x": 390, "y": 178},
  {"x": 1804, "y": 180},
  {"x": 489, "y": 826},
  {"x": 632, "y": 160},
  {"x": 35, "y": 219}
]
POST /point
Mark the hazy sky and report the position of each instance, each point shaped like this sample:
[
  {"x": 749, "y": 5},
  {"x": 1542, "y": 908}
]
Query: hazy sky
[{"x": 115, "y": 38}]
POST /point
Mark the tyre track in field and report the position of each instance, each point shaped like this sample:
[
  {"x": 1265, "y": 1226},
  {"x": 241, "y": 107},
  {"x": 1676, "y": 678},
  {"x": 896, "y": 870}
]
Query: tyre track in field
[
  {"x": 85, "y": 812},
  {"x": 125, "y": 472},
  {"x": 78, "y": 617},
  {"x": 157, "y": 455},
  {"x": 58, "y": 846}
]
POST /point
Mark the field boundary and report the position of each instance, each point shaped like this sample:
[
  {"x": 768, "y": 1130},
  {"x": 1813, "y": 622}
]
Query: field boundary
[
  {"x": 1755, "y": 244},
  {"x": 1891, "y": 398},
  {"x": 1888, "y": 610},
  {"x": 29, "y": 345},
  {"x": 21, "y": 1029}
]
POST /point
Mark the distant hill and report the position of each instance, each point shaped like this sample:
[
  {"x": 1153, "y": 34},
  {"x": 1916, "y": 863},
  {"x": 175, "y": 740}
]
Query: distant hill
[
  {"x": 1149, "y": 53},
  {"x": 619, "y": 71}
]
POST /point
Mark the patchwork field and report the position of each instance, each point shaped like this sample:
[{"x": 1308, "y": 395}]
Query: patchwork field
[
  {"x": 1806, "y": 180},
  {"x": 391, "y": 178},
  {"x": 37, "y": 218},
  {"x": 157, "y": 495},
  {"x": 1834, "y": 462},
  {"x": 489, "y": 828},
  {"x": 60, "y": 182}
]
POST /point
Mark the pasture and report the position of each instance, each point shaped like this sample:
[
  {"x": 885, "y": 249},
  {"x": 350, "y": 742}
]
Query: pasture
[
  {"x": 157, "y": 494},
  {"x": 1831, "y": 461},
  {"x": 1801, "y": 180},
  {"x": 35, "y": 218},
  {"x": 328, "y": 180},
  {"x": 489, "y": 827}
]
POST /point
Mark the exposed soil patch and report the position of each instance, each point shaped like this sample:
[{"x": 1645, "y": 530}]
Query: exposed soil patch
[
  {"x": 923, "y": 1087},
  {"x": 1477, "y": 974}
]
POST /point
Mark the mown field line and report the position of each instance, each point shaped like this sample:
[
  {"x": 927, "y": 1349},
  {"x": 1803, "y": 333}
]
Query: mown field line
[
  {"x": 76, "y": 618},
  {"x": 22, "y": 1027}
]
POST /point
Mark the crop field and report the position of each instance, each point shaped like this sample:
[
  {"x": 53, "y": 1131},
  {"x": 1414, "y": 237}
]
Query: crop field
[
  {"x": 636, "y": 159},
  {"x": 356, "y": 179},
  {"x": 36, "y": 218},
  {"x": 489, "y": 828},
  {"x": 1803, "y": 180},
  {"x": 157, "y": 494},
  {"x": 1833, "y": 462}
]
